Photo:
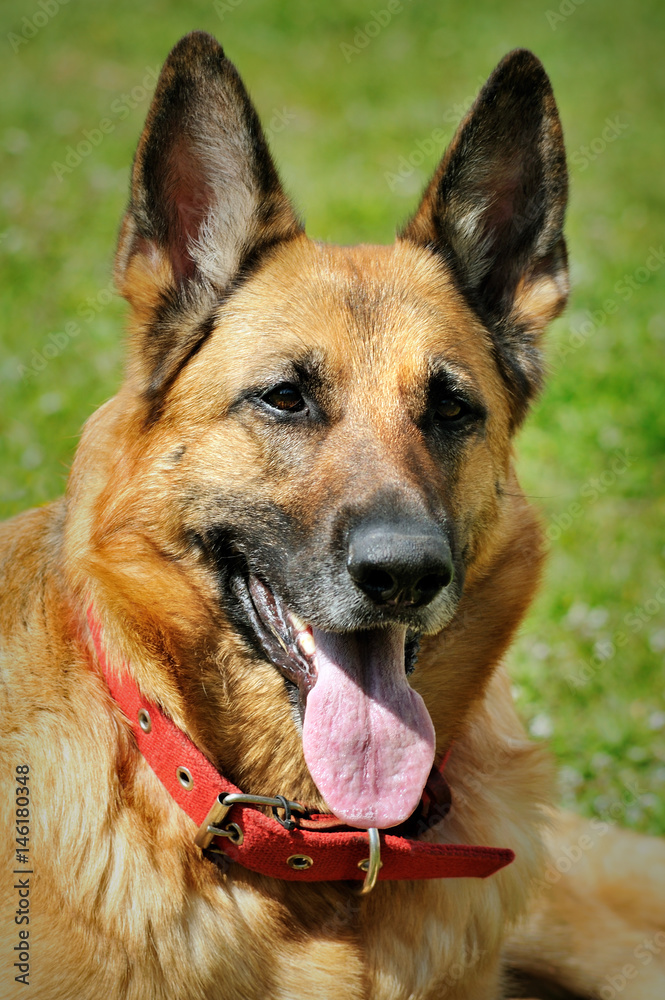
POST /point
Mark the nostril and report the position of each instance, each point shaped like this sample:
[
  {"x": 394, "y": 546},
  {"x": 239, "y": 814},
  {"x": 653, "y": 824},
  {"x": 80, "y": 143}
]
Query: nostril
[
  {"x": 377, "y": 582},
  {"x": 434, "y": 582}
]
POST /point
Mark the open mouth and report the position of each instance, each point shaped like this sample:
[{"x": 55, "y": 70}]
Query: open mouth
[{"x": 368, "y": 739}]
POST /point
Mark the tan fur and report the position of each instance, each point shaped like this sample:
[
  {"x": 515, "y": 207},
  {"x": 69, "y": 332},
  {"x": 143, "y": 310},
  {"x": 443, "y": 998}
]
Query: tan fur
[
  {"x": 122, "y": 884},
  {"x": 123, "y": 904}
]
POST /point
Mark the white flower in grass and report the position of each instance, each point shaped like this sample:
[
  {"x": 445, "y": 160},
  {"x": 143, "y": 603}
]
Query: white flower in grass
[
  {"x": 657, "y": 720},
  {"x": 541, "y": 726}
]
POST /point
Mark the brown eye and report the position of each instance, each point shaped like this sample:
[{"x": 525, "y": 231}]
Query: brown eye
[
  {"x": 450, "y": 409},
  {"x": 284, "y": 397}
]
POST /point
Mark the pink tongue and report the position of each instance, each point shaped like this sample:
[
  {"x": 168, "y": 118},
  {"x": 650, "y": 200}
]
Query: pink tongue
[{"x": 367, "y": 736}]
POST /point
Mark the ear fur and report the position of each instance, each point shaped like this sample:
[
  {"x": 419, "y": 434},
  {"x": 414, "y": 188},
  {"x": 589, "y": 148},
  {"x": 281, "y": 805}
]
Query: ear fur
[
  {"x": 494, "y": 212},
  {"x": 206, "y": 203}
]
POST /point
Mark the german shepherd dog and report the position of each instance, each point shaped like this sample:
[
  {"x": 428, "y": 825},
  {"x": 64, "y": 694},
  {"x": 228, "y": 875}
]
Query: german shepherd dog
[{"x": 255, "y": 652}]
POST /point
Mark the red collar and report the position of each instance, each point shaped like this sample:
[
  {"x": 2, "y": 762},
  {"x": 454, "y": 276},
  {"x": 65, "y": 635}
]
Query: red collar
[{"x": 300, "y": 848}]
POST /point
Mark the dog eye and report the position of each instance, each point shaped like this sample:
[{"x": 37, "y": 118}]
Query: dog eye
[
  {"x": 285, "y": 397},
  {"x": 451, "y": 409}
]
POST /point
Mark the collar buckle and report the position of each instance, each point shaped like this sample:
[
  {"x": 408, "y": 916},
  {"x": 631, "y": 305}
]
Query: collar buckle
[{"x": 211, "y": 826}]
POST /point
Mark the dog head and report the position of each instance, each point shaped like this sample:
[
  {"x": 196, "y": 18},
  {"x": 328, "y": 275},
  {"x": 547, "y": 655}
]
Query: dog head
[{"x": 307, "y": 472}]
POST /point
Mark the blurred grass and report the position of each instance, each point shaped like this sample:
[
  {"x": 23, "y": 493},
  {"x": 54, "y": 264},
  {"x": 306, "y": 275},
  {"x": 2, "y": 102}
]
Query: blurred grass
[{"x": 588, "y": 667}]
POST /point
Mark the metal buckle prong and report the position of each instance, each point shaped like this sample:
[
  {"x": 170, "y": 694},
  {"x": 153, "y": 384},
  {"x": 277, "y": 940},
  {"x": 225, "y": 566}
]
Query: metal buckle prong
[{"x": 210, "y": 826}]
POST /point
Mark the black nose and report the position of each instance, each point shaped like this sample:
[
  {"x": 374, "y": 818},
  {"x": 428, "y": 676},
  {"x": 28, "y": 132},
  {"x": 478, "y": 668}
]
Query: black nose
[{"x": 400, "y": 565}]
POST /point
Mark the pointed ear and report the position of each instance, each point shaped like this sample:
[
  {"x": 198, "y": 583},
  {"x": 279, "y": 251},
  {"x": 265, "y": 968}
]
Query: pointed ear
[
  {"x": 206, "y": 203},
  {"x": 494, "y": 212}
]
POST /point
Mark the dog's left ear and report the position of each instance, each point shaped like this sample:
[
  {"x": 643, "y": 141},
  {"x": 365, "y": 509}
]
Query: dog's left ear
[
  {"x": 206, "y": 203},
  {"x": 494, "y": 212}
]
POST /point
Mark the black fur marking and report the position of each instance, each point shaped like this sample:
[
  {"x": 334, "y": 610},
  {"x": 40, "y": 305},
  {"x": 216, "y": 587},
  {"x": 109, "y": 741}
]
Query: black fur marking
[
  {"x": 494, "y": 211},
  {"x": 522, "y": 389},
  {"x": 307, "y": 565},
  {"x": 175, "y": 354},
  {"x": 250, "y": 264}
]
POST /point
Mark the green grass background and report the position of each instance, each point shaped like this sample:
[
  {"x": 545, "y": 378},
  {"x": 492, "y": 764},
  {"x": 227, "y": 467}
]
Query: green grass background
[{"x": 588, "y": 666}]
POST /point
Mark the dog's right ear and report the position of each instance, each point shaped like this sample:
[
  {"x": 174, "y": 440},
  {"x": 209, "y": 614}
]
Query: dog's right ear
[
  {"x": 206, "y": 203},
  {"x": 494, "y": 213}
]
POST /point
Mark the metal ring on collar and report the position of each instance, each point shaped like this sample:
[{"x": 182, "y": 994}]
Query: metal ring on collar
[{"x": 371, "y": 864}]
